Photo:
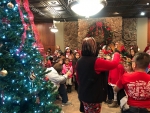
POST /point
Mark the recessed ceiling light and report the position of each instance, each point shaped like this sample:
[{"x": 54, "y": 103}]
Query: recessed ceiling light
[
  {"x": 142, "y": 13},
  {"x": 147, "y": 4},
  {"x": 116, "y": 13}
]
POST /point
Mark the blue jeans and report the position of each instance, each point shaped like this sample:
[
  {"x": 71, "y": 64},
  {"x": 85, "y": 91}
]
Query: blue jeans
[
  {"x": 136, "y": 110},
  {"x": 63, "y": 93}
]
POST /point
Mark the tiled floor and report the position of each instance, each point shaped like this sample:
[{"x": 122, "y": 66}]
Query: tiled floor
[{"x": 74, "y": 108}]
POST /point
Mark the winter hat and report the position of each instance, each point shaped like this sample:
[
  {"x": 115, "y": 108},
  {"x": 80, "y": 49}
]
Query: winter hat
[{"x": 67, "y": 48}]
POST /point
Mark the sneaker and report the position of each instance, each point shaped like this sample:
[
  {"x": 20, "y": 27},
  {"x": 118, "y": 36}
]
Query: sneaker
[
  {"x": 58, "y": 98},
  {"x": 66, "y": 104},
  {"x": 113, "y": 105}
]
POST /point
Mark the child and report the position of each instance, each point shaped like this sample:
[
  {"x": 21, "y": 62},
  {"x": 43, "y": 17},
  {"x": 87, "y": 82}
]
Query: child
[
  {"x": 122, "y": 95},
  {"x": 136, "y": 85},
  {"x": 58, "y": 80},
  {"x": 77, "y": 56},
  {"x": 110, "y": 93},
  {"x": 113, "y": 77},
  {"x": 66, "y": 68},
  {"x": 68, "y": 52},
  {"x": 100, "y": 54},
  {"x": 128, "y": 66},
  {"x": 54, "y": 75},
  {"x": 48, "y": 59}
]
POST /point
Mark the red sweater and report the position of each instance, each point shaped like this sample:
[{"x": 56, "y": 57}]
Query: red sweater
[
  {"x": 115, "y": 74},
  {"x": 104, "y": 65}
]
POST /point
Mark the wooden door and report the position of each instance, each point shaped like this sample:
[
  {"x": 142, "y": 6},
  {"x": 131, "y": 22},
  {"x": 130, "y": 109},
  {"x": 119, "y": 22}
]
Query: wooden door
[{"x": 46, "y": 36}]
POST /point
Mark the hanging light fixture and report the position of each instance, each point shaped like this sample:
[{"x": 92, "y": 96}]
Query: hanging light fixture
[
  {"x": 87, "y": 7},
  {"x": 53, "y": 28}
]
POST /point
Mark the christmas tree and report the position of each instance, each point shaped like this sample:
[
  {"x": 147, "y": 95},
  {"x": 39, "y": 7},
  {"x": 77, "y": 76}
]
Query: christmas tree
[{"x": 22, "y": 87}]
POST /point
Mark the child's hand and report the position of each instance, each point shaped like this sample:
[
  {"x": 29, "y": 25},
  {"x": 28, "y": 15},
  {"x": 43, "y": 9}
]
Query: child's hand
[{"x": 68, "y": 73}]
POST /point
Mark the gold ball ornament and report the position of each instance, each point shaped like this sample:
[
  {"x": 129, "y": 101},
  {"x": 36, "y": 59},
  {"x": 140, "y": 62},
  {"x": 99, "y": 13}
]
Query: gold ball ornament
[
  {"x": 10, "y": 5},
  {"x": 37, "y": 100},
  {"x": 3, "y": 73}
]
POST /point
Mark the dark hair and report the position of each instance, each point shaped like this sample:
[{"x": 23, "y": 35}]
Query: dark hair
[
  {"x": 60, "y": 52},
  {"x": 128, "y": 63},
  {"x": 66, "y": 59},
  {"x": 89, "y": 47},
  {"x": 58, "y": 67},
  {"x": 49, "y": 49},
  {"x": 59, "y": 59},
  {"x": 142, "y": 60},
  {"x": 133, "y": 50},
  {"x": 66, "y": 52}
]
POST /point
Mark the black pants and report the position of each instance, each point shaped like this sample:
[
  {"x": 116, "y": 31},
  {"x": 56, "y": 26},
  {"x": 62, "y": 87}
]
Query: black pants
[
  {"x": 76, "y": 84},
  {"x": 120, "y": 95},
  {"x": 81, "y": 105},
  {"x": 110, "y": 92},
  {"x": 63, "y": 93},
  {"x": 136, "y": 110}
]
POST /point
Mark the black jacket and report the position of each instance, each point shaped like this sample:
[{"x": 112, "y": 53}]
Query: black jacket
[{"x": 92, "y": 86}]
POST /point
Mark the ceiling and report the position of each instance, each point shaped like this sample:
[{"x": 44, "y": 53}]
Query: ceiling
[{"x": 47, "y": 10}]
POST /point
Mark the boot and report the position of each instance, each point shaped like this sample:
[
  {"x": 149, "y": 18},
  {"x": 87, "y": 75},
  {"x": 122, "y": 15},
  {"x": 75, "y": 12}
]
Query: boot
[
  {"x": 109, "y": 101},
  {"x": 113, "y": 105}
]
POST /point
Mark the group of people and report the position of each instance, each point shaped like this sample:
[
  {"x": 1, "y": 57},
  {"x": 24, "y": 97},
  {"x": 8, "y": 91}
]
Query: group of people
[
  {"x": 62, "y": 71},
  {"x": 134, "y": 81},
  {"x": 116, "y": 79}
]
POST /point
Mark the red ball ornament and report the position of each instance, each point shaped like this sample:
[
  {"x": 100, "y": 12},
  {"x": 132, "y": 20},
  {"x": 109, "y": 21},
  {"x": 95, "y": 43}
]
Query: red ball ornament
[{"x": 46, "y": 79}]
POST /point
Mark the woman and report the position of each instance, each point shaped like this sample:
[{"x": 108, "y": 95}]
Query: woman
[
  {"x": 132, "y": 53},
  {"x": 90, "y": 69}
]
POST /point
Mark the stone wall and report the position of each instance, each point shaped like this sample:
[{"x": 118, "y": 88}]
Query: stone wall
[
  {"x": 123, "y": 30},
  {"x": 71, "y": 34},
  {"x": 129, "y": 32},
  {"x": 115, "y": 23}
]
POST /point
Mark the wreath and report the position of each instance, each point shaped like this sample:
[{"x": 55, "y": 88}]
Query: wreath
[{"x": 99, "y": 29}]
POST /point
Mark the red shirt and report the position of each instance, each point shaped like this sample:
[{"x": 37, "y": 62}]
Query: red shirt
[
  {"x": 105, "y": 65},
  {"x": 115, "y": 74},
  {"x": 137, "y": 87}
]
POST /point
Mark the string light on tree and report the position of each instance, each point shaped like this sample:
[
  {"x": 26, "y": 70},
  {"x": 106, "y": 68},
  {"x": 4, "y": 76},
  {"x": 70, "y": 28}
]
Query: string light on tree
[{"x": 18, "y": 56}]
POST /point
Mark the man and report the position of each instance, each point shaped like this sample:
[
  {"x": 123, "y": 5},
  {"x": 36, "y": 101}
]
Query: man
[
  {"x": 58, "y": 80},
  {"x": 137, "y": 85}
]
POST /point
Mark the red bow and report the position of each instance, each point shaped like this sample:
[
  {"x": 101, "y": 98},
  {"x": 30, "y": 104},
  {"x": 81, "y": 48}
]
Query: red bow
[
  {"x": 91, "y": 28},
  {"x": 108, "y": 29},
  {"x": 99, "y": 24}
]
